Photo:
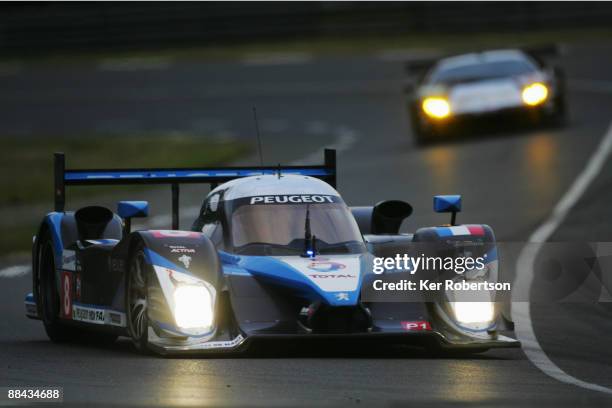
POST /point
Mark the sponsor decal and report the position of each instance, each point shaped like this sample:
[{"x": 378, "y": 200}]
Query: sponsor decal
[
  {"x": 175, "y": 234},
  {"x": 186, "y": 260},
  {"x": 116, "y": 319},
  {"x": 179, "y": 249},
  {"x": 342, "y": 296},
  {"x": 420, "y": 325},
  {"x": 325, "y": 266},
  {"x": 334, "y": 273},
  {"x": 334, "y": 276},
  {"x": 87, "y": 314},
  {"x": 293, "y": 199},
  {"x": 66, "y": 282},
  {"x": 222, "y": 344},
  {"x": 69, "y": 260}
]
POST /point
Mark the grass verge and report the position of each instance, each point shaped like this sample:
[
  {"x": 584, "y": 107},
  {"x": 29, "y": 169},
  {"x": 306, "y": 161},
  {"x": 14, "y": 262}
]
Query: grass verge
[{"x": 26, "y": 169}]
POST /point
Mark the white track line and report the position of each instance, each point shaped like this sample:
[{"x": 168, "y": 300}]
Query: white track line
[
  {"x": 524, "y": 269},
  {"x": 15, "y": 271}
]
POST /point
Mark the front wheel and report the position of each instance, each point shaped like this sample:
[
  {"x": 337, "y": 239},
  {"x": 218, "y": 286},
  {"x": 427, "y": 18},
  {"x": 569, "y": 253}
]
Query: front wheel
[
  {"x": 137, "y": 301},
  {"x": 49, "y": 297}
]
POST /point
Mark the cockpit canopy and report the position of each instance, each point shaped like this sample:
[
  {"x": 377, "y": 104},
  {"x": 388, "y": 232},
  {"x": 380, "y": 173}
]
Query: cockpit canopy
[
  {"x": 267, "y": 215},
  {"x": 280, "y": 225}
]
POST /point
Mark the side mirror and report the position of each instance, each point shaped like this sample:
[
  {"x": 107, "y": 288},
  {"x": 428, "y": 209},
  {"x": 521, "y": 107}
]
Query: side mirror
[
  {"x": 132, "y": 209},
  {"x": 448, "y": 203}
]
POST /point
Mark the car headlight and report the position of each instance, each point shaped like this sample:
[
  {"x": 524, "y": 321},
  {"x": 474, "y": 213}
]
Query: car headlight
[
  {"x": 534, "y": 94},
  {"x": 193, "y": 307},
  {"x": 473, "y": 312},
  {"x": 436, "y": 107}
]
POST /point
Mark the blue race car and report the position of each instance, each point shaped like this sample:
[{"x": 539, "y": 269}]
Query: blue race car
[{"x": 275, "y": 253}]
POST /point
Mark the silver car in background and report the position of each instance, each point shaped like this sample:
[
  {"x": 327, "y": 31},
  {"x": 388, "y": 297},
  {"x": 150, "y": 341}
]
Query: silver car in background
[{"x": 494, "y": 83}]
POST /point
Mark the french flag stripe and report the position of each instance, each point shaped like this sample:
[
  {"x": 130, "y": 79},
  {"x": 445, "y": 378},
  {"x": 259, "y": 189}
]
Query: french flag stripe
[
  {"x": 452, "y": 231},
  {"x": 476, "y": 229},
  {"x": 460, "y": 230},
  {"x": 444, "y": 232}
]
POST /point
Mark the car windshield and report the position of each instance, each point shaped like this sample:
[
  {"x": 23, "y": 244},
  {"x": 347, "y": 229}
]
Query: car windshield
[
  {"x": 279, "y": 229},
  {"x": 483, "y": 70}
]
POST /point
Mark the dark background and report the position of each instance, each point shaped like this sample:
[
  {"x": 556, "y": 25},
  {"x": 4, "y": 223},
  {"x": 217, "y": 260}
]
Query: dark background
[{"x": 34, "y": 28}]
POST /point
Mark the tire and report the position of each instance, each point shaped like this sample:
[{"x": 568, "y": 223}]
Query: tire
[
  {"x": 136, "y": 298},
  {"x": 49, "y": 298}
]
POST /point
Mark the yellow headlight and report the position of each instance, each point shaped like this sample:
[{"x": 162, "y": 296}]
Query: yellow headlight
[
  {"x": 436, "y": 107},
  {"x": 534, "y": 94}
]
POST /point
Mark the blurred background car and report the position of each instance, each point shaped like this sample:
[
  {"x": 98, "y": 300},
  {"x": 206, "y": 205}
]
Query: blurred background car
[{"x": 471, "y": 86}]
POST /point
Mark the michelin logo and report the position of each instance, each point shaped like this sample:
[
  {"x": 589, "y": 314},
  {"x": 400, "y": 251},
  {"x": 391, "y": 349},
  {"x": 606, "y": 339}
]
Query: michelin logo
[{"x": 292, "y": 199}]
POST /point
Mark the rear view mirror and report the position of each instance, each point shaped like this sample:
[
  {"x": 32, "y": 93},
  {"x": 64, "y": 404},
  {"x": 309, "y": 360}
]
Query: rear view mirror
[
  {"x": 131, "y": 209},
  {"x": 448, "y": 203}
]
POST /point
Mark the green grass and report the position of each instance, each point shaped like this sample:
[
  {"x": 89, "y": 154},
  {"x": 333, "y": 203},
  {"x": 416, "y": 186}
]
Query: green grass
[
  {"x": 26, "y": 164},
  {"x": 26, "y": 169}
]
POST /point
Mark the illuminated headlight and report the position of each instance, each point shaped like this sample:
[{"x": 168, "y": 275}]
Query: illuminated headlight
[
  {"x": 534, "y": 94},
  {"x": 473, "y": 312},
  {"x": 193, "y": 307},
  {"x": 436, "y": 107}
]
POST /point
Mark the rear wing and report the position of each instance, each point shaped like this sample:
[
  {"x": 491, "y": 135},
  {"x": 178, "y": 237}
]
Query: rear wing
[{"x": 176, "y": 176}]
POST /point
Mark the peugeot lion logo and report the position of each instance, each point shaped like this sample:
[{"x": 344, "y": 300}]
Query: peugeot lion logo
[{"x": 186, "y": 260}]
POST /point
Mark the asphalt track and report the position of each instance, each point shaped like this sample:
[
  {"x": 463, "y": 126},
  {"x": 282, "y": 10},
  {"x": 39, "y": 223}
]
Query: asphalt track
[{"x": 510, "y": 180}]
